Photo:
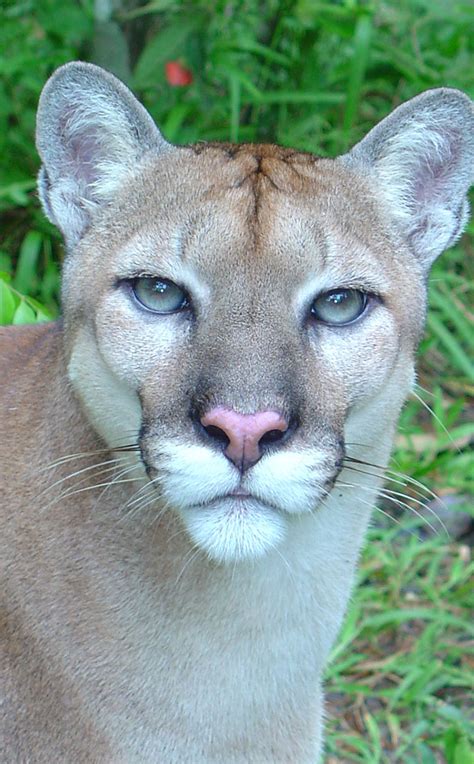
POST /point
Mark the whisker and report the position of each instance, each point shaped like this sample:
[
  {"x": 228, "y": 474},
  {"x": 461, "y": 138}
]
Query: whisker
[
  {"x": 378, "y": 509},
  {"x": 405, "y": 484},
  {"x": 286, "y": 563},
  {"x": 146, "y": 502},
  {"x": 68, "y": 494},
  {"x": 72, "y": 475},
  {"x": 406, "y": 481},
  {"x": 404, "y": 505},
  {"x": 424, "y": 389},
  {"x": 84, "y": 454},
  {"x": 135, "y": 497},
  {"x": 360, "y": 445},
  {"x": 115, "y": 480},
  {"x": 422, "y": 504},
  {"x": 436, "y": 417},
  {"x": 390, "y": 495},
  {"x": 363, "y": 462},
  {"x": 400, "y": 478},
  {"x": 196, "y": 549},
  {"x": 394, "y": 520}
]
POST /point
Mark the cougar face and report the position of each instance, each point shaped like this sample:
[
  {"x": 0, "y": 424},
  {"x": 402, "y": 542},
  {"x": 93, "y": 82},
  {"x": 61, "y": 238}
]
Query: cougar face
[
  {"x": 247, "y": 314},
  {"x": 242, "y": 396}
]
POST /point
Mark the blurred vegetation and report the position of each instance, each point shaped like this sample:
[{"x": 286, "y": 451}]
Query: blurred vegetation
[{"x": 316, "y": 76}]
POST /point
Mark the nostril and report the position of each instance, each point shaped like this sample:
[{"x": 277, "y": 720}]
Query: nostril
[
  {"x": 272, "y": 436},
  {"x": 244, "y": 437},
  {"x": 217, "y": 434}
]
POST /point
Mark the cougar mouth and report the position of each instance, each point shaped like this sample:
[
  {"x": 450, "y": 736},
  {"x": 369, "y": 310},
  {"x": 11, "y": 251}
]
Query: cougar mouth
[
  {"x": 239, "y": 501},
  {"x": 233, "y": 516},
  {"x": 240, "y": 493}
]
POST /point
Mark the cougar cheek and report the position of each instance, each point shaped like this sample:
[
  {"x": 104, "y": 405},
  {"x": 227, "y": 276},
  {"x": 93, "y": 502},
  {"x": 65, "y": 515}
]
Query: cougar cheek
[{"x": 136, "y": 348}]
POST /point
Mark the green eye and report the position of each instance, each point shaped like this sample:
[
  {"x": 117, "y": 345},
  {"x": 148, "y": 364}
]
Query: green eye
[
  {"x": 339, "y": 306},
  {"x": 159, "y": 295}
]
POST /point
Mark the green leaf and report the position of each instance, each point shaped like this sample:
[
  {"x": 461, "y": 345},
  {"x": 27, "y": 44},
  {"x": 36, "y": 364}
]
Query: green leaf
[
  {"x": 170, "y": 126},
  {"x": 441, "y": 298},
  {"x": 154, "y": 7},
  {"x": 234, "y": 108},
  {"x": 362, "y": 42},
  {"x": 8, "y": 303},
  {"x": 251, "y": 46},
  {"x": 38, "y": 307},
  {"x": 17, "y": 193},
  {"x": 26, "y": 269},
  {"x": 463, "y": 753},
  {"x": 451, "y": 345},
  {"x": 42, "y": 317},
  {"x": 24, "y": 314}
]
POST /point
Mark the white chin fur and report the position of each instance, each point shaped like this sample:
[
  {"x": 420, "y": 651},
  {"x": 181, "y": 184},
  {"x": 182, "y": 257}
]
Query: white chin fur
[{"x": 230, "y": 530}]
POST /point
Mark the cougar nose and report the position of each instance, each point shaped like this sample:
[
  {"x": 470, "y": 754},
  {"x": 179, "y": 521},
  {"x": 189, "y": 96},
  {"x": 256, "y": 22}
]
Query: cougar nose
[{"x": 244, "y": 435}]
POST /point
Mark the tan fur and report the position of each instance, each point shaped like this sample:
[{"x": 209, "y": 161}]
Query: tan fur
[{"x": 134, "y": 626}]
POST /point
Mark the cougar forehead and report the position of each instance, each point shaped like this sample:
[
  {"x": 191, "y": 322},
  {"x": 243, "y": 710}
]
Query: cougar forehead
[{"x": 274, "y": 218}]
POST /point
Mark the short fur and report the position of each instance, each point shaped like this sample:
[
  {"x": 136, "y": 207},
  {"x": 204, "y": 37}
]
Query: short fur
[{"x": 147, "y": 613}]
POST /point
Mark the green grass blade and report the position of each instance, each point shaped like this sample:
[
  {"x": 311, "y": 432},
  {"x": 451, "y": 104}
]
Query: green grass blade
[
  {"x": 451, "y": 345},
  {"x": 25, "y": 274},
  {"x": 235, "y": 90},
  {"x": 360, "y": 59}
]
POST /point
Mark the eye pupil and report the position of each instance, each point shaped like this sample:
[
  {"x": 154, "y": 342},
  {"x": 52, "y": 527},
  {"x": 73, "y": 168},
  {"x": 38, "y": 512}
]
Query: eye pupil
[
  {"x": 339, "y": 306},
  {"x": 159, "y": 295}
]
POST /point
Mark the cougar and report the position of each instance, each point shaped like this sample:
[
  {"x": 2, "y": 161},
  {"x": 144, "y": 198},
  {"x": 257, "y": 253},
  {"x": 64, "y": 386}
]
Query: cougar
[{"x": 184, "y": 485}]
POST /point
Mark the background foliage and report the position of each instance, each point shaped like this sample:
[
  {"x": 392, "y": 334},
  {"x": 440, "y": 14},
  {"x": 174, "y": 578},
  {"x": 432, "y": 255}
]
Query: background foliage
[{"x": 314, "y": 75}]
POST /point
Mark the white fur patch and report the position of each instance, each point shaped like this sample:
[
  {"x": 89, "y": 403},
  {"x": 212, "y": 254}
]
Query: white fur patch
[
  {"x": 292, "y": 481},
  {"x": 234, "y": 529},
  {"x": 197, "y": 482},
  {"x": 195, "y": 475},
  {"x": 112, "y": 406}
]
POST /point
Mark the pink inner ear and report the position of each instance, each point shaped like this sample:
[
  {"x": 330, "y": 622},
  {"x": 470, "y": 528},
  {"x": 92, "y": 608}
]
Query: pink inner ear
[
  {"x": 435, "y": 168},
  {"x": 85, "y": 154},
  {"x": 83, "y": 146}
]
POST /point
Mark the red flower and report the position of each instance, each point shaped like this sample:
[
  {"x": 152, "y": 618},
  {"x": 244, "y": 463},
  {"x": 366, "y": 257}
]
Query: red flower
[{"x": 177, "y": 75}]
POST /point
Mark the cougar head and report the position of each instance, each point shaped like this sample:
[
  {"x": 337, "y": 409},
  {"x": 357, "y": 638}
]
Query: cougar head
[{"x": 247, "y": 313}]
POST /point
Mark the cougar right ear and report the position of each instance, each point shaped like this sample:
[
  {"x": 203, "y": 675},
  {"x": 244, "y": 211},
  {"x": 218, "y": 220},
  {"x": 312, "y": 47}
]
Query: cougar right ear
[
  {"x": 91, "y": 133},
  {"x": 421, "y": 158}
]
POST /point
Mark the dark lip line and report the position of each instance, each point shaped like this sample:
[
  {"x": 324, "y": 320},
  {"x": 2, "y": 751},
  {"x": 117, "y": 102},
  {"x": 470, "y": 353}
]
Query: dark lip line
[{"x": 238, "y": 497}]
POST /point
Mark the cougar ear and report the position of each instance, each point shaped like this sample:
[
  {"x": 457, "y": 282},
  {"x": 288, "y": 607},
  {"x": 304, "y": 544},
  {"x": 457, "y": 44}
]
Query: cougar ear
[
  {"x": 91, "y": 132},
  {"x": 422, "y": 160}
]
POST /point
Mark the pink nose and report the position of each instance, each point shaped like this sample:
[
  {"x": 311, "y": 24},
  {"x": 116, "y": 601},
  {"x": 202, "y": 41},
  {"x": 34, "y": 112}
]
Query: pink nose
[{"x": 244, "y": 434}]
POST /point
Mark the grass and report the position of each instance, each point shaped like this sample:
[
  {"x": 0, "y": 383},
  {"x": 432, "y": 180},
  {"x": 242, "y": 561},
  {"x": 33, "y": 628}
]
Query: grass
[
  {"x": 315, "y": 75},
  {"x": 400, "y": 684}
]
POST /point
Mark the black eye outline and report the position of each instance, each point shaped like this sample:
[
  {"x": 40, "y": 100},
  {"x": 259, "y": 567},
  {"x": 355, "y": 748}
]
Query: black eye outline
[
  {"x": 366, "y": 300},
  {"x": 131, "y": 283}
]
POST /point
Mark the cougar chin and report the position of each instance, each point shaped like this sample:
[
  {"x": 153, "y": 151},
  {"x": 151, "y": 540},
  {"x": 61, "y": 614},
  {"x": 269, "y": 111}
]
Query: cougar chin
[{"x": 232, "y": 529}]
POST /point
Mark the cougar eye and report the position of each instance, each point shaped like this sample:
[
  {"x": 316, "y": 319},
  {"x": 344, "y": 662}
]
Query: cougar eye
[
  {"x": 339, "y": 306},
  {"x": 159, "y": 295}
]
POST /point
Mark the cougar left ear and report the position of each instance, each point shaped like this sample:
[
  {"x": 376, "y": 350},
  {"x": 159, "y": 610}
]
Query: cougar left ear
[
  {"x": 91, "y": 133},
  {"x": 422, "y": 159}
]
